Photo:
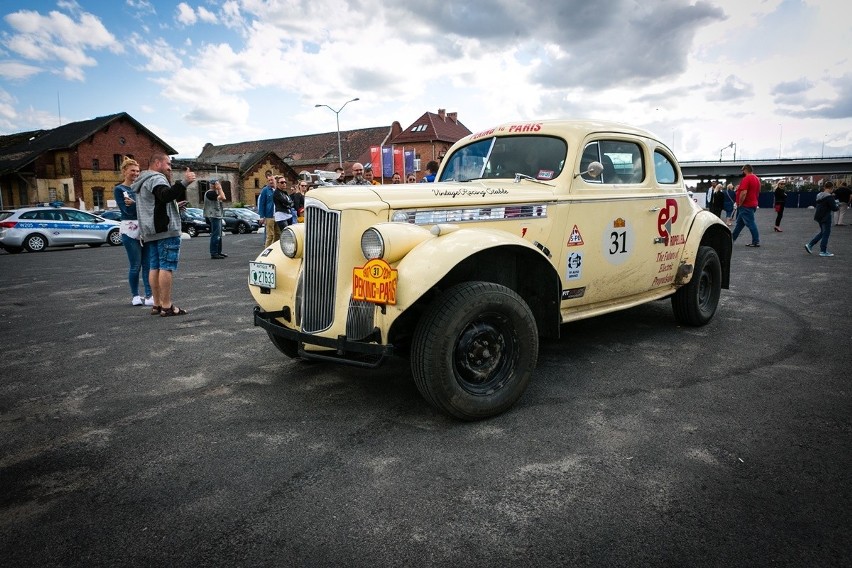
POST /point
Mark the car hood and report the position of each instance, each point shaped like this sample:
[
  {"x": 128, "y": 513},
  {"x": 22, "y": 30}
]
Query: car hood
[{"x": 426, "y": 195}]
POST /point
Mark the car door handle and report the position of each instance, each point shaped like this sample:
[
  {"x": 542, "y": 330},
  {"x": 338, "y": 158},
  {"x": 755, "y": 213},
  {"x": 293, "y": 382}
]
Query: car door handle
[{"x": 654, "y": 209}]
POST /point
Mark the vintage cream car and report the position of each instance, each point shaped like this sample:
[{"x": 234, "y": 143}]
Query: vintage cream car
[{"x": 529, "y": 226}]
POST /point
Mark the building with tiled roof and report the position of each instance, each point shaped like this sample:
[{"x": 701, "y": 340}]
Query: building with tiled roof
[
  {"x": 76, "y": 163},
  {"x": 431, "y": 136}
]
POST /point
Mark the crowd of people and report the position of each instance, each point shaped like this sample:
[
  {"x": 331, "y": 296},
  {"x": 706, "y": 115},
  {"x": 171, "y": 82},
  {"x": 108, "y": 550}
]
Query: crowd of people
[{"x": 829, "y": 208}]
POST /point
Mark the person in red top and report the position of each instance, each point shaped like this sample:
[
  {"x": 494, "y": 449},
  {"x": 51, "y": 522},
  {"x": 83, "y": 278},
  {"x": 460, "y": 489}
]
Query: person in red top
[{"x": 747, "y": 193}]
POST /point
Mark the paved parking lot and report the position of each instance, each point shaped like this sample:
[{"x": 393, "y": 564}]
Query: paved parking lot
[{"x": 131, "y": 440}]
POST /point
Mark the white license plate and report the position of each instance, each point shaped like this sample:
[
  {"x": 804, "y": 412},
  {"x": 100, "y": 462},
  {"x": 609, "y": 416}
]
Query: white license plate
[{"x": 262, "y": 274}]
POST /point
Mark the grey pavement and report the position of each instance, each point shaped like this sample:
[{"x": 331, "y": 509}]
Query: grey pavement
[{"x": 132, "y": 440}]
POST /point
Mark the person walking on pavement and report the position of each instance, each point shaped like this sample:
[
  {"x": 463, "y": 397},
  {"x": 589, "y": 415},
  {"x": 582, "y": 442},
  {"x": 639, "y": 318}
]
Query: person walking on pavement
[
  {"x": 215, "y": 214},
  {"x": 825, "y": 205},
  {"x": 780, "y": 201},
  {"x": 747, "y": 194}
]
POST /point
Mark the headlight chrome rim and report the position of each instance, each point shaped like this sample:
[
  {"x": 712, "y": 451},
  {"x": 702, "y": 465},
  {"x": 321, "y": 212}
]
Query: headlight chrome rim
[
  {"x": 288, "y": 243},
  {"x": 372, "y": 244}
]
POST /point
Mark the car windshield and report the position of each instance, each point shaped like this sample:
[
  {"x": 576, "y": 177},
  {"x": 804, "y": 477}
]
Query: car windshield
[
  {"x": 193, "y": 212},
  {"x": 538, "y": 157},
  {"x": 246, "y": 214}
]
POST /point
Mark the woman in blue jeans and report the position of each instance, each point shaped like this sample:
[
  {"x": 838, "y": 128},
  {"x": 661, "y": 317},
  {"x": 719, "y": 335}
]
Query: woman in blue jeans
[
  {"x": 825, "y": 204},
  {"x": 137, "y": 252}
]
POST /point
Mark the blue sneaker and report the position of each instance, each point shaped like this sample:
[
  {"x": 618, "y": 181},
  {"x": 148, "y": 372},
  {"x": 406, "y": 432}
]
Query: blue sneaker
[
  {"x": 808, "y": 248},
  {"x": 826, "y": 253}
]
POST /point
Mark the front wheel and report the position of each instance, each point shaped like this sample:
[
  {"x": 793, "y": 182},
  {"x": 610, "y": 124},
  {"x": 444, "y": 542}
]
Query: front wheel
[
  {"x": 192, "y": 232},
  {"x": 695, "y": 303},
  {"x": 474, "y": 350},
  {"x": 242, "y": 228},
  {"x": 288, "y": 347}
]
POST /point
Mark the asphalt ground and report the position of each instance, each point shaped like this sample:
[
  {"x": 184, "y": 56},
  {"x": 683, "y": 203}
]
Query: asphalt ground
[{"x": 132, "y": 440}]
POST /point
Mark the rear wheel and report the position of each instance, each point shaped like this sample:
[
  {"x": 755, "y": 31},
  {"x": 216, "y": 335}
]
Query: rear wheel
[
  {"x": 192, "y": 231},
  {"x": 35, "y": 243},
  {"x": 474, "y": 350},
  {"x": 114, "y": 238},
  {"x": 242, "y": 228},
  {"x": 696, "y": 303}
]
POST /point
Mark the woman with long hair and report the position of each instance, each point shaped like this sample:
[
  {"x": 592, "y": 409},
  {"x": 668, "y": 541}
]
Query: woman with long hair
[{"x": 137, "y": 252}]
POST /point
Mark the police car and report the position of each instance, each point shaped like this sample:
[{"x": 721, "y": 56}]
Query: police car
[{"x": 36, "y": 228}]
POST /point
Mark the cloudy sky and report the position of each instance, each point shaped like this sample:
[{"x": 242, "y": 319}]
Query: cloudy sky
[{"x": 773, "y": 77}]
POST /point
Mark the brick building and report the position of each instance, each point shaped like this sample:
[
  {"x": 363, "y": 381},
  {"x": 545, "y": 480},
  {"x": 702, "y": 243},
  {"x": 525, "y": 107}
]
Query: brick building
[{"x": 76, "y": 164}]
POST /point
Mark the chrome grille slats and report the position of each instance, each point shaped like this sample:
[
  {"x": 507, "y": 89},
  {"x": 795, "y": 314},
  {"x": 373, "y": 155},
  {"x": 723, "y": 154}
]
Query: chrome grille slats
[
  {"x": 322, "y": 241},
  {"x": 360, "y": 319}
]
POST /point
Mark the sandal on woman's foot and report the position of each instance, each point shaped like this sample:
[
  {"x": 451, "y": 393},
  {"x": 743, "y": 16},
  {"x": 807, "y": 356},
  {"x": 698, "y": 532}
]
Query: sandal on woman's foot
[
  {"x": 172, "y": 310},
  {"x": 155, "y": 310}
]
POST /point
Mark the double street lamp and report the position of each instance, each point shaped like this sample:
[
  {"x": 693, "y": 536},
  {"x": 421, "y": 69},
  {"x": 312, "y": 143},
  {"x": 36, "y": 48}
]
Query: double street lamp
[{"x": 337, "y": 117}]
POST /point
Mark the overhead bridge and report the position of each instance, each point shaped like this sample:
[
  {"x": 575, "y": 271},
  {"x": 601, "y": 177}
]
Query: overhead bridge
[{"x": 767, "y": 168}]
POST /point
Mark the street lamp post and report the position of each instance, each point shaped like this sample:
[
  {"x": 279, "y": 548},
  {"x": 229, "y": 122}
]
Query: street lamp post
[{"x": 337, "y": 117}]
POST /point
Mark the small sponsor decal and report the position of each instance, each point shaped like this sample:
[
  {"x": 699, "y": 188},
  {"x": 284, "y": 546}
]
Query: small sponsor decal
[
  {"x": 575, "y": 239},
  {"x": 575, "y": 266},
  {"x": 573, "y": 293},
  {"x": 545, "y": 174},
  {"x": 617, "y": 241}
]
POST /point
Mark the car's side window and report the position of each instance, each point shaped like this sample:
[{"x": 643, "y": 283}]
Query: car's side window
[
  {"x": 664, "y": 168},
  {"x": 623, "y": 162},
  {"x": 79, "y": 216},
  {"x": 29, "y": 215}
]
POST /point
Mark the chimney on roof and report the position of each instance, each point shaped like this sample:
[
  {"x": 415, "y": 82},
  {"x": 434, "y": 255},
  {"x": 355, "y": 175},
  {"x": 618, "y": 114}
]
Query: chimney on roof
[
  {"x": 454, "y": 116},
  {"x": 442, "y": 114}
]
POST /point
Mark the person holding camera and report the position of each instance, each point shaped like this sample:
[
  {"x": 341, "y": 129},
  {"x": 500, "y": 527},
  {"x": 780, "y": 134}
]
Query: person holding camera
[{"x": 215, "y": 214}]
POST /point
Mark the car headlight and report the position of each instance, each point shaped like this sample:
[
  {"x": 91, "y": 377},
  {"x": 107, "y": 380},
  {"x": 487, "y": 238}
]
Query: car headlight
[
  {"x": 372, "y": 244},
  {"x": 399, "y": 217},
  {"x": 288, "y": 243}
]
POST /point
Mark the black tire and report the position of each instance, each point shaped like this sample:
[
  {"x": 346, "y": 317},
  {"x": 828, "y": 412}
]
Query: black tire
[
  {"x": 474, "y": 350},
  {"x": 95, "y": 245},
  {"x": 286, "y": 346},
  {"x": 242, "y": 228},
  {"x": 192, "y": 231},
  {"x": 14, "y": 250},
  {"x": 35, "y": 243},
  {"x": 114, "y": 238},
  {"x": 696, "y": 303}
]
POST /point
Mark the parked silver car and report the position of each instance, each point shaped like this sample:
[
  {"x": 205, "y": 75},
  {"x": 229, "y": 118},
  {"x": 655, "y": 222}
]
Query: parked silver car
[{"x": 36, "y": 228}]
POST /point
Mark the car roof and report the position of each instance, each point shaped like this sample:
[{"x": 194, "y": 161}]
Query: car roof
[{"x": 576, "y": 128}]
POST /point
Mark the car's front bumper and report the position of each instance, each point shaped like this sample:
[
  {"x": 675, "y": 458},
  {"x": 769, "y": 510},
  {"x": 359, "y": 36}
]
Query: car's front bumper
[{"x": 339, "y": 350}]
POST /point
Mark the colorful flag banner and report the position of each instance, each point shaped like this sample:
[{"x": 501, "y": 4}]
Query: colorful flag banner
[
  {"x": 376, "y": 158},
  {"x": 409, "y": 162},
  {"x": 387, "y": 161}
]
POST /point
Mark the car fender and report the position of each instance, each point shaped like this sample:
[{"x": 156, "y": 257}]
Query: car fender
[
  {"x": 706, "y": 229},
  {"x": 433, "y": 259}
]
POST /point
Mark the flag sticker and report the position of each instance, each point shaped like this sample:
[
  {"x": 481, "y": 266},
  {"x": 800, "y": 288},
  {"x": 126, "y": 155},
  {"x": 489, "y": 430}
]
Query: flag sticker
[{"x": 576, "y": 239}]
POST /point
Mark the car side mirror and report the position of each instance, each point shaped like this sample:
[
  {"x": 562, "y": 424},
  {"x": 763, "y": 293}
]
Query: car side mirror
[{"x": 595, "y": 170}]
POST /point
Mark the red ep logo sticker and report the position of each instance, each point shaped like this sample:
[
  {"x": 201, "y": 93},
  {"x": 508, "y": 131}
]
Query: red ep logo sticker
[{"x": 667, "y": 216}]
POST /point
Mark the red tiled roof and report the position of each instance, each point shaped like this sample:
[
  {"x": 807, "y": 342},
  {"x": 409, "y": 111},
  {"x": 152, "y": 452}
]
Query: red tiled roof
[{"x": 432, "y": 127}]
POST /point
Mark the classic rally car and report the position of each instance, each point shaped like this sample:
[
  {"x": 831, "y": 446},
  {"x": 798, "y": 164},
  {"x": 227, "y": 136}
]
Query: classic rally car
[{"x": 529, "y": 226}]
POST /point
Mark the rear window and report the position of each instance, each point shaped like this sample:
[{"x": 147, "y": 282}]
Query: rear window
[{"x": 5, "y": 214}]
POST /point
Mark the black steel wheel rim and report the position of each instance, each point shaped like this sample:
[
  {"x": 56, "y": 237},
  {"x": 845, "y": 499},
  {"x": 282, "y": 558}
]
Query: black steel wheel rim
[{"x": 484, "y": 354}]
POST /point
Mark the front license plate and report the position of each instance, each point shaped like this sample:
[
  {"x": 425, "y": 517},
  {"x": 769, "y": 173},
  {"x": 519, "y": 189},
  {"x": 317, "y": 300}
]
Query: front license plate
[
  {"x": 262, "y": 274},
  {"x": 375, "y": 282}
]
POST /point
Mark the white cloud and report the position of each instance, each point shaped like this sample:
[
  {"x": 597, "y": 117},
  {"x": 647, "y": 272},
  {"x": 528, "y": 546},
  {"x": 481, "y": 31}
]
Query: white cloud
[
  {"x": 185, "y": 14},
  {"x": 13, "y": 70}
]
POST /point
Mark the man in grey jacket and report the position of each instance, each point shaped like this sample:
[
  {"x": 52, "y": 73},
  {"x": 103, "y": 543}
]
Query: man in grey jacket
[{"x": 159, "y": 224}]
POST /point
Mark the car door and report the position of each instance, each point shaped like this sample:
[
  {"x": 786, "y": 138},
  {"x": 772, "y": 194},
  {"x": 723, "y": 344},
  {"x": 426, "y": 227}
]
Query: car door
[
  {"x": 615, "y": 249},
  {"x": 83, "y": 228}
]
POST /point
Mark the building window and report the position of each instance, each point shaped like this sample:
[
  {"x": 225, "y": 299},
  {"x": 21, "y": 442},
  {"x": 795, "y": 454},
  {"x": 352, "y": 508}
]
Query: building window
[
  {"x": 96, "y": 165},
  {"x": 117, "y": 159},
  {"x": 65, "y": 192},
  {"x": 98, "y": 198},
  {"x": 62, "y": 165},
  {"x": 256, "y": 183}
]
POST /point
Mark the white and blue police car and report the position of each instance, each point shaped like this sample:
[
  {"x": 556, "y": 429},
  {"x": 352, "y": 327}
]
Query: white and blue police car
[{"x": 36, "y": 228}]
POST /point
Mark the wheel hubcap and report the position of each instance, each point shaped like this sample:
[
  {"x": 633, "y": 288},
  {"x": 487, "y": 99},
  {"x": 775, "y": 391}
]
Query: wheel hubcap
[{"x": 483, "y": 355}]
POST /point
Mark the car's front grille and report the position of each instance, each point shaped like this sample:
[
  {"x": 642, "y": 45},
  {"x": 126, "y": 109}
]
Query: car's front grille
[
  {"x": 359, "y": 319},
  {"x": 322, "y": 234}
]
